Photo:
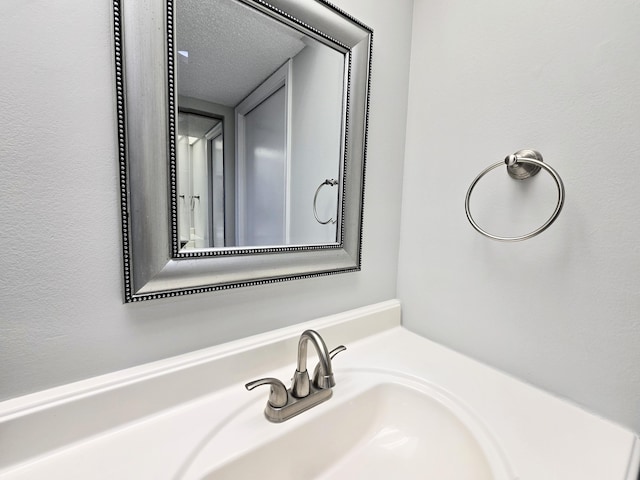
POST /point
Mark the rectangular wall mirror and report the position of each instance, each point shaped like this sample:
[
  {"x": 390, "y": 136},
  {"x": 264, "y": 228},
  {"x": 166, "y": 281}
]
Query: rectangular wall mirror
[{"x": 242, "y": 133}]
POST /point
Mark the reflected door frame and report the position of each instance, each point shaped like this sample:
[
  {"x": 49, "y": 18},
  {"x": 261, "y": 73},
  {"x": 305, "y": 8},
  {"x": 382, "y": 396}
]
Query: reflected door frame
[
  {"x": 279, "y": 79},
  {"x": 215, "y": 163}
]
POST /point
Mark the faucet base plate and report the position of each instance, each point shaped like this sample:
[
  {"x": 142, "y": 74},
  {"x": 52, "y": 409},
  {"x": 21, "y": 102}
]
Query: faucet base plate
[{"x": 297, "y": 405}]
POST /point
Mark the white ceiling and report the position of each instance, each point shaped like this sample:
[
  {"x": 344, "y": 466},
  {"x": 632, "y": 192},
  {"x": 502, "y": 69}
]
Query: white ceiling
[{"x": 231, "y": 49}]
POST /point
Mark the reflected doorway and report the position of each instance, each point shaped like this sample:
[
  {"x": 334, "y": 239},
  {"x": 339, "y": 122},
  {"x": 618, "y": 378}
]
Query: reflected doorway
[{"x": 200, "y": 163}]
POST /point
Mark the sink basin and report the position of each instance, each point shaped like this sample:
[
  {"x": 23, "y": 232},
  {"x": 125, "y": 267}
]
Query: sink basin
[
  {"x": 375, "y": 426},
  {"x": 403, "y": 408}
]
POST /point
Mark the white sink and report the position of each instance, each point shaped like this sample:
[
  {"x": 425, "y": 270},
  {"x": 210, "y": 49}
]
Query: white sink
[
  {"x": 403, "y": 408},
  {"x": 376, "y": 425}
]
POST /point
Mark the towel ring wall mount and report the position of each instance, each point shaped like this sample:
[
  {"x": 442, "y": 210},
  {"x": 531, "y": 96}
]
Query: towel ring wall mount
[{"x": 520, "y": 165}]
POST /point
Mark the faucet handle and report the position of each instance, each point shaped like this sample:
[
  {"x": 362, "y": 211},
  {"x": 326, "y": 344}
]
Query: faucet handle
[
  {"x": 337, "y": 350},
  {"x": 278, "y": 395},
  {"x": 326, "y": 381}
]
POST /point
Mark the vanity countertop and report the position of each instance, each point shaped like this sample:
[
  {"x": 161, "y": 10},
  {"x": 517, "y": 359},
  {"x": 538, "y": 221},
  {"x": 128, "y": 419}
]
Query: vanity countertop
[{"x": 147, "y": 422}]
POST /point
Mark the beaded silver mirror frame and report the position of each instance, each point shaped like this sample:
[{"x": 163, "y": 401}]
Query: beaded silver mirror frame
[{"x": 146, "y": 113}]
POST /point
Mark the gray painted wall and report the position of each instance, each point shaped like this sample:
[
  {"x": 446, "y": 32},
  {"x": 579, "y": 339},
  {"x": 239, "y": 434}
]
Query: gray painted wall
[
  {"x": 489, "y": 78},
  {"x": 560, "y": 310},
  {"x": 61, "y": 316}
]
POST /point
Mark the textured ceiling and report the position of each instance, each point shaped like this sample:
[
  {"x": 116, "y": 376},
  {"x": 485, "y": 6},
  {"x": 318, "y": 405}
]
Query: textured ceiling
[{"x": 231, "y": 49}]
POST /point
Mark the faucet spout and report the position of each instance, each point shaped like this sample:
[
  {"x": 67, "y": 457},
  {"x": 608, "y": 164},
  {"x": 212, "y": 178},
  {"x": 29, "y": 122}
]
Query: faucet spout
[{"x": 324, "y": 377}]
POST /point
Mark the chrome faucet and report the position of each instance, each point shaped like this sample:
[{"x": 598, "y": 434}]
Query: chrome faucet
[{"x": 303, "y": 394}]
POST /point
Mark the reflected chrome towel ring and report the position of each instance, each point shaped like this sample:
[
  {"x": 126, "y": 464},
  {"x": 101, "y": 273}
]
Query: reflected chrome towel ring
[
  {"x": 330, "y": 182},
  {"x": 520, "y": 165}
]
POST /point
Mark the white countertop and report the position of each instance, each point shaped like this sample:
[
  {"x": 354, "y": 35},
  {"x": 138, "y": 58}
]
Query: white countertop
[{"x": 541, "y": 436}]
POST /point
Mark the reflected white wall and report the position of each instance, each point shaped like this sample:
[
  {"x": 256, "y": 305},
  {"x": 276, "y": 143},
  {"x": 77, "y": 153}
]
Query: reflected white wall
[{"x": 315, "y": 148}]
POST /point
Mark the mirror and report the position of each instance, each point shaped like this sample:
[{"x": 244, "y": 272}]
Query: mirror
[
  {"x": 281, "y": 92},
  {"x": 242, "y": 140}
]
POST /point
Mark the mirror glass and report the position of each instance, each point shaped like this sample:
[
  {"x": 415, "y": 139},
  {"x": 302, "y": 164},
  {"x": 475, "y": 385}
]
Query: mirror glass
[
  {"x": 200, "y": 166},
  {"x": 259, "y": 130},
  {"x": 242, "y": 133}
]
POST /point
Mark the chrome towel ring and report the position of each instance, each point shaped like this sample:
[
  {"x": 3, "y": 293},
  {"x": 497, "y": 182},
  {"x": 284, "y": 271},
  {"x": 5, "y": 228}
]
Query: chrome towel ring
[
  {"x": 330, "y": 182},
  {"x": 520, "y": 165}
]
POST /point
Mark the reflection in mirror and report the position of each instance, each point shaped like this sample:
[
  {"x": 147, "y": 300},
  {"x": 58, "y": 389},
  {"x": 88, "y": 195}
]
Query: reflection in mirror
[
  {"x": 278, "y": 96},
  {"x": 200, "y": 181}
]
